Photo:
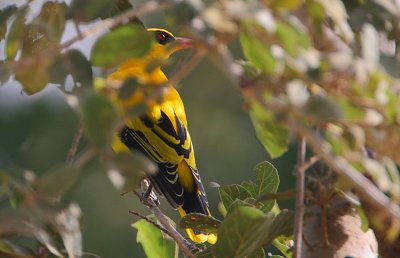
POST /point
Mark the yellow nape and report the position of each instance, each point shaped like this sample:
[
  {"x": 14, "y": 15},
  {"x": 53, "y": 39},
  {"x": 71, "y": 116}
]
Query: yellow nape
[{"x": 198, "y": 238}]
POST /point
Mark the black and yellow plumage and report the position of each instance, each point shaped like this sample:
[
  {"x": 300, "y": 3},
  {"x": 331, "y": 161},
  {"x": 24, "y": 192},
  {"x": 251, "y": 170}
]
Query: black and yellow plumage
[{"x": 162, "y": 133}]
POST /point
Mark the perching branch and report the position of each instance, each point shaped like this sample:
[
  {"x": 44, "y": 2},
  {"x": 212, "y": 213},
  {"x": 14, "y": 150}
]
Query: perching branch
[
  {"x": 298, "y": 222},
  {"x": 183, "y": 244},
  {"x": 151, "y": 222}
]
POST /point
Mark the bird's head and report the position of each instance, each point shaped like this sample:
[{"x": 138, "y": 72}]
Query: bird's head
[{"x": 166, "y": 43}]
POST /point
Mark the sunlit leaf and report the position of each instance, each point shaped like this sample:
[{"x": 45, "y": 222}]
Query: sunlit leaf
[
  {"x": 5, "y": 14},
  {"x": 286, "y": 4},
  {"x": 273, "y": 135},
  {"x": 200, "y": 222},
  {"x": 99, "y": 116},
  {"x": 16, "y": 34},
  {"x": 292, "y": 38},
  {"x": 258, "y": 53},
  {"x": 246, "y": 229},
  {"x": 123, "y": 43},
  {"x": 152, "y": 240},
  {"x": 281, "y": 243}
]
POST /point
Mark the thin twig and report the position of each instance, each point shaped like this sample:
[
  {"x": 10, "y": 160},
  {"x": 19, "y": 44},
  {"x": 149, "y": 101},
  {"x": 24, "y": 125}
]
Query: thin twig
[
  {"x": 184, "y": 245},
  {"x": 151, "y": 222},
  {"x": 74, "y": 144},
  {"x": 298, "y": 222},
  {"x": 84, "y": 157}
]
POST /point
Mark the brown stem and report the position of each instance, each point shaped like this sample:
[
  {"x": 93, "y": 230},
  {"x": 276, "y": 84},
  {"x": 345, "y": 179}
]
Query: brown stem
[
  {"x": 183, "y": 244},
  {"x": 298, "y": 222},
  {"x": 74, "y": 145},
  {"x": 151, "y": 222}
]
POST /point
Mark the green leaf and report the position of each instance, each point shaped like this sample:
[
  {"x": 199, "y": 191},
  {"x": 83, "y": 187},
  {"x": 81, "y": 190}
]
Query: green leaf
[
  {"x": 123, "y": 43},
  {"x": 88, "y": 10},
  {"x": 247, "y": 229},
  {"x": 292, "y": 38},
  {"x": 58, "y": 180},
  {"x": 45, "y": 30},
  {"x": 152, "y": 240},
  {"x": 41, "y": 35},
  {"x": 72, "y": 62},
  {"x": 286, "y": 4},
  {"x": 99, "y": 116},
  {"x": 200, "y": 222},
  {"x": 258, "y": 53},
  {"x": 182, "y": 12},
  {"x": 364, "y": 219},
  {"x": 5, "y": 14},
  {"x": 281, "y": 244},
  {"x": 272, "y": 135},
  {"x": 229, "y": 193},
  {"x": 33, "y": 74},
  {"x": 267, "y": 182},
  {"x": 121, "y": 6},
  {"x": 247, "y": 192}
]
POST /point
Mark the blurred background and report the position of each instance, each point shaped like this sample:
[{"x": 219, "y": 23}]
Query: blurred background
[{"x": 36, "y": 133}]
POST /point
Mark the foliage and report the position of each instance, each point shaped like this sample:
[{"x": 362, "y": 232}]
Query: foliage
[{"x": 325, "y": 71}]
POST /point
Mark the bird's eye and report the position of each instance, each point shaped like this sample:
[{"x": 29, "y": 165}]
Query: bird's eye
[{"x": 163, "y": 37}]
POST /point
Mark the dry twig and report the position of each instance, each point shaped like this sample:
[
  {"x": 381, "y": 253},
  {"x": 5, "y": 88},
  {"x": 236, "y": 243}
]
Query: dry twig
[{"x": 183, "y": 244}]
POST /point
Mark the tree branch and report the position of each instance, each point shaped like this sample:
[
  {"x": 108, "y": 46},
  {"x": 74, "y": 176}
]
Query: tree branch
[
  {"x": 74, "y": 144},
  {"x": 151, "y": 222},
  {"x": 185, "y": 246},
  {"x": 298, "y": 222}
]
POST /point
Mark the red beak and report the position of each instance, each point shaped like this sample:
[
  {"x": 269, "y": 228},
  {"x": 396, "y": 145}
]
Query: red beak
[{"x": 183, "y": 43}]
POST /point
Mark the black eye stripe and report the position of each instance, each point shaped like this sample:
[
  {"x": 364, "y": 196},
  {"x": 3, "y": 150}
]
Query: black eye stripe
[{"x": 163, "y": 37}]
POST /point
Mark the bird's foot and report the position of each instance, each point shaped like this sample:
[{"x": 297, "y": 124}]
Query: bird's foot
[{"x": 147, "y": 191}]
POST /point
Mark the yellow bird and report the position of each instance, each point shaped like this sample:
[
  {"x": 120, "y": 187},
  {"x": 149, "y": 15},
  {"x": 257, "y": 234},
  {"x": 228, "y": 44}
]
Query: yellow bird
[{"x": 162, "y": 132}]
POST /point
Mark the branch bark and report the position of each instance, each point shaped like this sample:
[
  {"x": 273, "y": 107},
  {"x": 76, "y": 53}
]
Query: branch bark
[
  {"x": 183, "y": 244},
  {"x": 298, "y": 222}
]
